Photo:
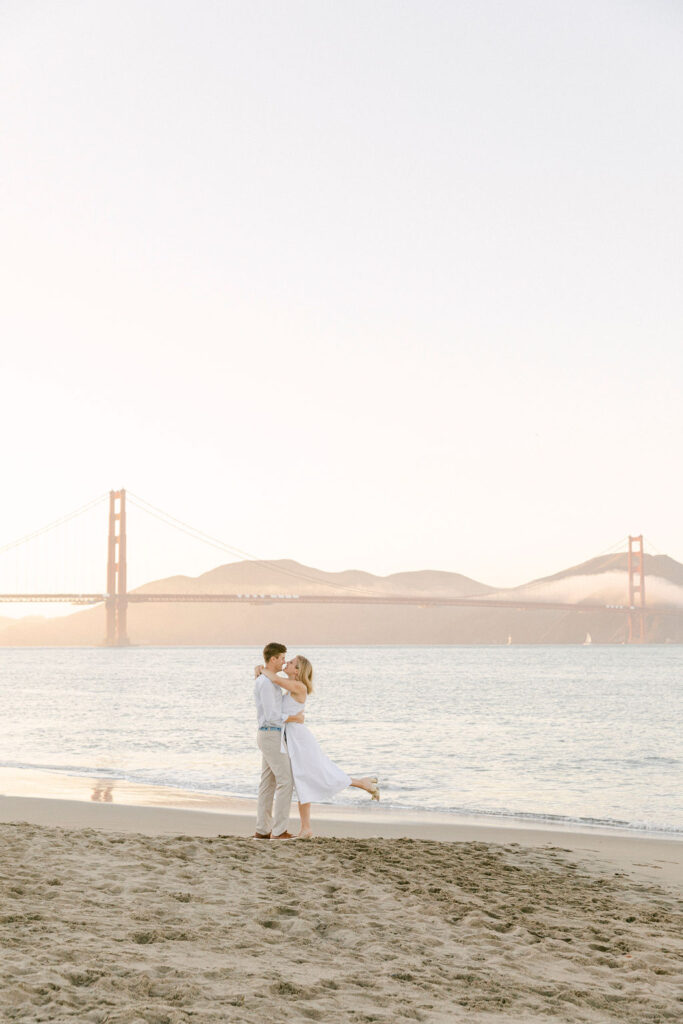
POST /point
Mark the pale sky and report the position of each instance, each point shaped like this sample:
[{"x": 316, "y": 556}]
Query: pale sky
[{"x": 375, "y": 285}]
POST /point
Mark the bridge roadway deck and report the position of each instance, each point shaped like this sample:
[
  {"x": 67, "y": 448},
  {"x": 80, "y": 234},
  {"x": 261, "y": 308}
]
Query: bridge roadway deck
[{"x": 424, "y": 601}]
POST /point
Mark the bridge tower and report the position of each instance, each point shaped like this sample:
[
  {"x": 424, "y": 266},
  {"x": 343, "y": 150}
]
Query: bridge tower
[
  {"x": 117, "y": 599},
  {"x": 636, "y": 591}
]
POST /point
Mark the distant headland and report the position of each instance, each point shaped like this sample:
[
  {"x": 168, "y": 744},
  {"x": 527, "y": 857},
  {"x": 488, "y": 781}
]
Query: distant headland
[{"x": 600, "y": 581}]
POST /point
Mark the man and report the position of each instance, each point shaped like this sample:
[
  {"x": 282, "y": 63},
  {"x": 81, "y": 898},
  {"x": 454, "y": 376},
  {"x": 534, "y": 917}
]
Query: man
[{"x": 276, "y": 770}]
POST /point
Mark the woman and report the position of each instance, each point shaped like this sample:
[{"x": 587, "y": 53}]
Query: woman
[{"x": 315, "y": 776}]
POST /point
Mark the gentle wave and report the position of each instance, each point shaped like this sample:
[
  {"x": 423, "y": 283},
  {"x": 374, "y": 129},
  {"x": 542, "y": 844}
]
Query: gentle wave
[{"x": 189, "y": 785}]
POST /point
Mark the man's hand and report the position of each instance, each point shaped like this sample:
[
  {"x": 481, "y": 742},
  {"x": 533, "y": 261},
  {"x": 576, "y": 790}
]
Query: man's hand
[{"x": 299, "y": 717}]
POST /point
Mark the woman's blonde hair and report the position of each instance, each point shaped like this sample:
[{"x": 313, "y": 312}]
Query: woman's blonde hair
[{"x": 305, "y": 672}]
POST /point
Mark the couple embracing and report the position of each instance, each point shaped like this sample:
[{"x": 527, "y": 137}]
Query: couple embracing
[{"x": 291, "y": 756}]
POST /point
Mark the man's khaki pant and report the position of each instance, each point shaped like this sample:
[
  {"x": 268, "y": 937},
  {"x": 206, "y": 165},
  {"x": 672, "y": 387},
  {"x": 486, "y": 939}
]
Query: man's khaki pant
[{"x": 276, "y": 781}]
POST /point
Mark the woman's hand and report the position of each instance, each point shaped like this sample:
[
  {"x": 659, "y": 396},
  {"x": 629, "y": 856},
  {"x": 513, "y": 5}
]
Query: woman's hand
[
  {"x": 258, "y": 669},
  {"x": 293, "y": 685}
]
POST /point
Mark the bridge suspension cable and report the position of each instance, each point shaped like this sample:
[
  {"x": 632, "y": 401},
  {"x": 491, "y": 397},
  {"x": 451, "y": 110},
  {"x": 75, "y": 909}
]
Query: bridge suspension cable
[
  {"x": 215, "y": 542},
  {"x": 653, "y": 547},
  {"x": 51, "y": 526}
]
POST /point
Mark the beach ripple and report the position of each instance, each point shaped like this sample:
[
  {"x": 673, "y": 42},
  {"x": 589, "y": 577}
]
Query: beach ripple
[{"x": 115, "y": 929}]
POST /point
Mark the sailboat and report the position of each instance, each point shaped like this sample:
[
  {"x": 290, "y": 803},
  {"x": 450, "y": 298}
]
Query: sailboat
[
  {"x": 588, "y": 640},
  {"x": 509, "y": 639}
]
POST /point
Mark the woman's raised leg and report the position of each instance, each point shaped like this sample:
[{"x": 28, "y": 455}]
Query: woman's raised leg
[{"x": 369, "y": 784}]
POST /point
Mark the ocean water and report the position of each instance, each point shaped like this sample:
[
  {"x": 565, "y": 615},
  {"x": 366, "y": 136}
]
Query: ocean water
[{"x": 591, "y": 735}]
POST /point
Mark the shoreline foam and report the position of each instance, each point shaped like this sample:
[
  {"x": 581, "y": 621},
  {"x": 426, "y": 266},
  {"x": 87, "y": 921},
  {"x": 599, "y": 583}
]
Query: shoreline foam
[{"x": 30, "y": 780}]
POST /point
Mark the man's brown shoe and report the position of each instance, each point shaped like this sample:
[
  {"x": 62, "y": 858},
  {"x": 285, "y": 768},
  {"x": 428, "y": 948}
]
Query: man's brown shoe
[
  {"x": 259, "y": 835},
  {"x": 283, "y": 835}
]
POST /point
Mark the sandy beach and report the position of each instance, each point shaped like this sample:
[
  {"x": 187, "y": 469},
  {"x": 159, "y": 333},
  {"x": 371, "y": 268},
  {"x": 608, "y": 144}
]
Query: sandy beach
[{"x": 125, "y": 913}]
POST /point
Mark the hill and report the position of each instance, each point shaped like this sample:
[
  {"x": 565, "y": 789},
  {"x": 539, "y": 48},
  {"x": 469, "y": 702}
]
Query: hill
[
  {"x": 600, "y": 580},
  {"x": 289, "y": 577},
  {"x": 660, "y": 566}
]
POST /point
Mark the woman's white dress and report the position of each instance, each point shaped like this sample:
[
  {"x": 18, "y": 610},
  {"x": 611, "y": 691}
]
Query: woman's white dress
[{"x": 316, "y": 777}]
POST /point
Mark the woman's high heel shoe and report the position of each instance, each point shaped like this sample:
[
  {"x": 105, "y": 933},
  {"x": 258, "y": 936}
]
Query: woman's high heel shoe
[{"x": 374, "y": 792}]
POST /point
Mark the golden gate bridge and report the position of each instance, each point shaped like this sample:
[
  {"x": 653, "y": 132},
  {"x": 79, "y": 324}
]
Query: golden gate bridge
[{"x": 116, "y": 598}]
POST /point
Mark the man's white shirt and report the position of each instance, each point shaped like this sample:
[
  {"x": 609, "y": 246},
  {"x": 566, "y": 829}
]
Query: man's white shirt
[{"x": 268, "y": 698}]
